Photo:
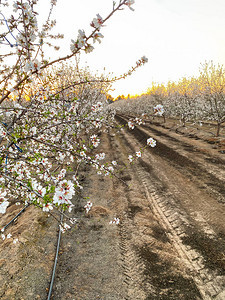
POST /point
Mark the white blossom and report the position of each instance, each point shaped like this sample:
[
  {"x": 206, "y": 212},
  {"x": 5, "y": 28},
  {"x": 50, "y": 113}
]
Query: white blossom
[
  {"x": 151, "y": 142},
  {"x": 88, "y": 206},
  {"x": 3, "y": 207}
]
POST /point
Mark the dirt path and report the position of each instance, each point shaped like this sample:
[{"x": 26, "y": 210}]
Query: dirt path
[
  {"x": 170, "y": 243},
  {"x": 186, "y": 193}
]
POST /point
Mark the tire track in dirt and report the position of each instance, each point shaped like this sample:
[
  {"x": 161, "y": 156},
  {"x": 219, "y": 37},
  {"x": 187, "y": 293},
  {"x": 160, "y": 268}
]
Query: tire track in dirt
[
  {"x": 210, "y": 281},
  {"x": 151, "y": 254},
  {"x": 131, "y": 264}
]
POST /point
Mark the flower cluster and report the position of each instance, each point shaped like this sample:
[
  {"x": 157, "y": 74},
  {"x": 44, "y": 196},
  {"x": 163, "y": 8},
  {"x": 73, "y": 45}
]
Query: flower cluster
[
  {"x": 34, "y": 65},
  {"x": 97, "y": 22},
  {"x": 138, "y": 121},
  {"x": 64, "y": 227},
  {"x": 88, "y": 206},
  {"x": 79, "y": 42},
  {"x": 95, "y": 140},
  {"x": 82, "y": 40},
  {"x": 20, "y": 170},
  {"x": 30, "y": 24},
  {"x": 151, "y": 142},
  {"x": 130, "y": 158},
  {"x": 64, "y": 193},
  {"x": 8, "y": 236},
  {"x": 131, "y": 123},
  {"x": 3, "y": 201},
  {"x": 159, "y": 110},
  {"x": 100, "y": 156}
]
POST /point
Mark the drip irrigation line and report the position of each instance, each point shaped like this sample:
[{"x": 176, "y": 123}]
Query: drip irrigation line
[
  {"x": 56, "y": 259},
  {"x": 19, "y": 213}
]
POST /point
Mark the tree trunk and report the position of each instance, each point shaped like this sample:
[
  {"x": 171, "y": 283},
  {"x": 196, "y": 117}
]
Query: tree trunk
[{"x": 218, "y": 129}]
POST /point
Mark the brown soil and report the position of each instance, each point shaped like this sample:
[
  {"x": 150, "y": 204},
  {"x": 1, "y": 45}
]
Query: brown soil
[{"x": 169, "y": 243}]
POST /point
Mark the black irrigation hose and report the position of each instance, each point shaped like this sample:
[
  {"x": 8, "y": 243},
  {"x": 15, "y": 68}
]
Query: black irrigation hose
[
  {"x": 19, "y": 213},
  {"x": 55, "y": 263},
  {"x": 57, "y": 249}
]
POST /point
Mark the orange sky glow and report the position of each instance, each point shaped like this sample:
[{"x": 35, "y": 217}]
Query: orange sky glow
[{"x": 176, "y": 36}]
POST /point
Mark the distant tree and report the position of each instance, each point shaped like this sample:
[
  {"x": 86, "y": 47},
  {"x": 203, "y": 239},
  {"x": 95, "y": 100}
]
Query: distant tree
[
  {"x": 109, "y": 99},
  {"x": 185, "y": 99},
  {"x": 159, "y": 93},
  {"x": 212, "y": 80}
]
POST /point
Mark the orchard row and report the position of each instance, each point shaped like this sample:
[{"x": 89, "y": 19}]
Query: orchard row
[{"x": 193, "y": 99}]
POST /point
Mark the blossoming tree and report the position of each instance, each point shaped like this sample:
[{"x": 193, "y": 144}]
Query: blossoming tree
[
  {"x": 51, "y": 113},
  {"x": 194, "y": 99},
  {"x": 212, "y": 80}
]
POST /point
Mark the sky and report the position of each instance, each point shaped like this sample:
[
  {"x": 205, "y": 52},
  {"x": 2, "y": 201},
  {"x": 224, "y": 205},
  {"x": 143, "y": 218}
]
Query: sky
[{"x": 176, "y": 36}]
